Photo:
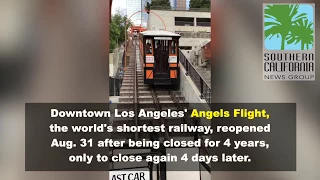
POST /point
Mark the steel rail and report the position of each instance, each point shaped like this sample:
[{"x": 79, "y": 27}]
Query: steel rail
[
  {"x": 157, "y": 103},
  {"x": 175, "y": 100}
]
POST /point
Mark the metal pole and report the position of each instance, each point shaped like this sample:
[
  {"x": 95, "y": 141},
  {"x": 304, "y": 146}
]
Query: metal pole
[
  {"x": 163, "y": 166},
  {"x": 201, "y": 87},
  {"x": 151, "y": 170}
]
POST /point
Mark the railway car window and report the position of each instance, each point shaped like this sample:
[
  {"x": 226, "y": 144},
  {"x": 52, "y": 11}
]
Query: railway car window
[
  {"x": 162, "y": 46},
  {"x": 173, "y": 46},
  {"x": 149, "y": 46},
  {"x": 157, "y": 44},
  {"x": 157, "y": 47}
]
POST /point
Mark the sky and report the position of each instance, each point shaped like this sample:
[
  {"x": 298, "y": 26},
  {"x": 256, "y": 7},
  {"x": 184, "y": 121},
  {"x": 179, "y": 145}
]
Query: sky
[
  {"x": 119, "y": 4},
  {"x": 275, "y": 43},
  {"x": 187, "y": 1}
]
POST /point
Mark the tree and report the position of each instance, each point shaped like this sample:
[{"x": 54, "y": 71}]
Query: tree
[
  {"x": 147, "y": 7},
  {"x": 164, "y": 4},
  {"x": 302, "y": 31},
  {"x": 117, "y": 30},
  {"x": 283, "y": 19},
  {"x": 205, "y": 4},
  {"x": 114, "y": 35}
]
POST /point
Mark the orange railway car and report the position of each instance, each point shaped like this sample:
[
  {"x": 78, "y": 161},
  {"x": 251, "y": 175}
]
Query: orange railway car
[
  {"x": 135, "y": 30},
  {"x": 159, "y": 55}
]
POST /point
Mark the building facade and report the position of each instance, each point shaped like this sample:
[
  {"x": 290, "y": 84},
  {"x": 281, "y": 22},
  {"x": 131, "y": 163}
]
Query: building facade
[
  {"x": 180, "y": 21},
  {"x": 144, "y": 15},
  {"x": 194, "y": 27},
  {"x": 181, "y": 5},
  {"x": 173, "y": 4}
]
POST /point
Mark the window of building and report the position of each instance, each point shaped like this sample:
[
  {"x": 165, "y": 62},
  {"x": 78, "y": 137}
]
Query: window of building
[
  {"x": 203, "y": 22},
  {"x": 184, "y": 21}
]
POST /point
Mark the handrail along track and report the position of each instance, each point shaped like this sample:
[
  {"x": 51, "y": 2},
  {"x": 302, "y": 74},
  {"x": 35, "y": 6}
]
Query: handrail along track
[
  {"x": 187, "y": 120},
  {"x": 135, "y": 82}
]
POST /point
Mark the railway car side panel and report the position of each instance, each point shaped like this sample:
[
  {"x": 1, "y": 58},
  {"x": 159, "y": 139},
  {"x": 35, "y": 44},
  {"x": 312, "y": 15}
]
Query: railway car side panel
[
  {"x": 148, "y": 60},
  {"x": 174, "y": 61}
]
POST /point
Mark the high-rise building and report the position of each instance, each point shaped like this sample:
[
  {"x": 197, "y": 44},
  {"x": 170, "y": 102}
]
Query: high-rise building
[
  {"x": 134, "y": 6},
  {"x": 144, "y": 15},
  {"x": 178, "y": 4},
  {"x": 188, "y": 4},
  {"x": 181, "y": 4},
  {"x": 173, "y": 4}
]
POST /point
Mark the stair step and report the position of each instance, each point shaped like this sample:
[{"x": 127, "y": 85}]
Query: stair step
[
  {"x": 151, "y": 104},
  {"x": 149, "y": 98}
]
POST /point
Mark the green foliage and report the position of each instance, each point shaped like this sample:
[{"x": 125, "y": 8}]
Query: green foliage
[
  {"x": 147, "y": 7},
  {"x": 114, "y": 36},
  {"x": 164, "y": 4},
  {"x": 204, "y": 4},
  {"x": 288, "y": 25},
  {"x": 117, "y": 30}
]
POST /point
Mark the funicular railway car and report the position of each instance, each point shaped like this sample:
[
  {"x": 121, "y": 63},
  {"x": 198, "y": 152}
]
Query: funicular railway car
[
  {"x": 136, "y": 30},
  {"x": 135, "y": 33},
  {"x": 160, "y": 57}
]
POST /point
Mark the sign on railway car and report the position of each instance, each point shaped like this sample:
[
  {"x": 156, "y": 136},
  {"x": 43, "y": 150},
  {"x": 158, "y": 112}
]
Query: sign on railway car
[
  {"x": 129, "y": 175},
  {"x": 173, "y": 59},
  {"x": 163, "y": 38},
  {"x": 149, "y": 59}
]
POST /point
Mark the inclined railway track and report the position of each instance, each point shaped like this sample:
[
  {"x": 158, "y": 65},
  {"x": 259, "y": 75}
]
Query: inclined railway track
[
  {"x": 144, "y": 96},
  {"x": 136, "y": 95}
]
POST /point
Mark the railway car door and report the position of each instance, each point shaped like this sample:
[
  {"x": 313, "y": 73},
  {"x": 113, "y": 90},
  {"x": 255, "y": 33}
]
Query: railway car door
[
  {"x": 162, "y": 55},
  {"x": 149, "y": 58}
]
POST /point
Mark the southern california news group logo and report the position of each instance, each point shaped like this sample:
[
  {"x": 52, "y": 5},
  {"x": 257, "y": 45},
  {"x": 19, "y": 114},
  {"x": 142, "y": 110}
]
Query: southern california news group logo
[{"x": 289, "y": 48}]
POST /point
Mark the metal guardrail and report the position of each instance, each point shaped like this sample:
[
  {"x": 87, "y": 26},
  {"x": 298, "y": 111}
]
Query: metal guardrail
[
  {"x": 202, "y": 86},
  {"x": 180, "y": 9}
]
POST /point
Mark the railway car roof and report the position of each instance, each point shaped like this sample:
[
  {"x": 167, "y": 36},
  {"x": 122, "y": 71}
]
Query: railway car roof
[{"x": 159, "y": 33}]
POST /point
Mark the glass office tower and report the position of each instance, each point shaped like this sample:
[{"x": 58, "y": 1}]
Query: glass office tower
[
  {"x": 137, "y": 5},
  {"x": 144, "y": 15},
  {"x": 173, "y": 4},
  {"x": 179, "y": 4},
  {"x": 132, "y": 7}
]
